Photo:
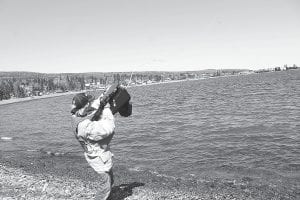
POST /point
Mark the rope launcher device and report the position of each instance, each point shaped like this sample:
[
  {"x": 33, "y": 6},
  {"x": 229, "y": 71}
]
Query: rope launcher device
[{"x": 118, "y": 98}]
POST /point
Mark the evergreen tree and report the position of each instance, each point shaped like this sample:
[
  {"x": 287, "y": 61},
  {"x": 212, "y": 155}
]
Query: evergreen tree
[{"x": 82, "y": 83}]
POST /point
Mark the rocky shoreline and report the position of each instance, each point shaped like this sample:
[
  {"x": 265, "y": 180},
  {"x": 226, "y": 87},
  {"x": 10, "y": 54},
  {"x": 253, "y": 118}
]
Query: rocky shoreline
[{"x": 19, "y": 183}]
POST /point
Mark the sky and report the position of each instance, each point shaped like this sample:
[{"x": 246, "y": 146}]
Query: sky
[{"x": 55, "y": 36}]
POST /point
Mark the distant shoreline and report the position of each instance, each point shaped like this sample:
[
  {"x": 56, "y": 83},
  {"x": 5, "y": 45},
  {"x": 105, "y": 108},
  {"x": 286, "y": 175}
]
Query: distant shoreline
[
  {"x": 18, "y": 100},
  {"x": 165, "y": 82}
]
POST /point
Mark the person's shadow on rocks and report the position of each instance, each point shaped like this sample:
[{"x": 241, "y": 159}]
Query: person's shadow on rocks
[{"x": 122, "y": 191}]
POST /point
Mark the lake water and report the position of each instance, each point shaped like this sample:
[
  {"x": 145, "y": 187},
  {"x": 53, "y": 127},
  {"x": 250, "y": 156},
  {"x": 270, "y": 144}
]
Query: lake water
[{"x": 243, "y": 128}]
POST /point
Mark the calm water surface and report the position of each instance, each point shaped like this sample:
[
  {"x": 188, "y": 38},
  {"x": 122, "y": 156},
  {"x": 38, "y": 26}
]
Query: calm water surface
[{"x": 222, "y": 127}]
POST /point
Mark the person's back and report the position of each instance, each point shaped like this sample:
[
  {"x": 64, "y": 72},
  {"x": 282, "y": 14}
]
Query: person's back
[{"x": 95, "y": 136}]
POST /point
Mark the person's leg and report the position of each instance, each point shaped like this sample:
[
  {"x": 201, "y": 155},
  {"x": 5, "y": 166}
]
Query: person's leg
[
  {"x": 104, "y": 189},
  {"x": 111, "y": 174}
]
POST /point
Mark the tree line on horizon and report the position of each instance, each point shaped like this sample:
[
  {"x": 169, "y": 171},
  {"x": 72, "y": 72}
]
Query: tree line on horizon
[
  {"x": 20, "y": 87},
  {"x": 23, "y": 84}
]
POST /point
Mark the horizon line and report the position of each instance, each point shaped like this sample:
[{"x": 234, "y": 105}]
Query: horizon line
[{"x": 133, "y": 71}]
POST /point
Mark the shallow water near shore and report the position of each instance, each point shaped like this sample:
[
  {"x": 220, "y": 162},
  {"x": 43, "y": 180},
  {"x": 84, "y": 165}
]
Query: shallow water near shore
[{"x": 236, "y": 133}]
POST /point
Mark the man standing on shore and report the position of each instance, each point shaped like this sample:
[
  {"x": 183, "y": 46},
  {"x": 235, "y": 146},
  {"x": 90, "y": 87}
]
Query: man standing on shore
[{"x": 94, "y": 137}]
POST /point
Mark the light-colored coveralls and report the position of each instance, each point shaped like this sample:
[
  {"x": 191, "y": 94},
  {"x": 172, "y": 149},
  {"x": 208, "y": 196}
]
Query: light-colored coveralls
[{"x": 95, "y": 136}]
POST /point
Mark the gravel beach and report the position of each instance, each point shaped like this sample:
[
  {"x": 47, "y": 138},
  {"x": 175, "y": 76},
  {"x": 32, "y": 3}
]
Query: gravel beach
[
  {"x": 22, "y": 183},
  {"x": 18, "y": 184}
]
